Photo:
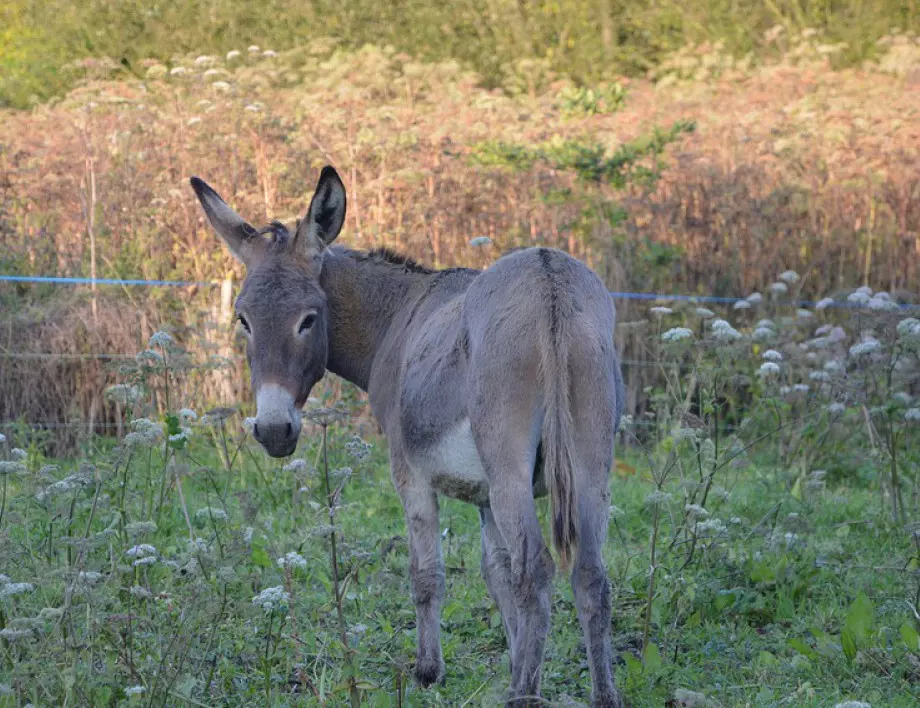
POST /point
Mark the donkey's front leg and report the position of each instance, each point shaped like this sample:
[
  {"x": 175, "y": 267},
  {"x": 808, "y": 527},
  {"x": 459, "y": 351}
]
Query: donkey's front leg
[{"x": 426, "y": 568}]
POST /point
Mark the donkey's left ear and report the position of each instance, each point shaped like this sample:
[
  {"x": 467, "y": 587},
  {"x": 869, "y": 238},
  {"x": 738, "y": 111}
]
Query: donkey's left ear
[{"x": 324, "y": 218}]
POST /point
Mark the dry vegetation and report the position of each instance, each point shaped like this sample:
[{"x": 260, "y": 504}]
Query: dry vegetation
[{"x": 791, "y": 165}]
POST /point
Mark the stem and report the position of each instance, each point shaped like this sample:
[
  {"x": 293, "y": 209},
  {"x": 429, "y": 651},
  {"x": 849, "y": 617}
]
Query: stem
[
  {"x": 651, "y": 582},
  {"x": 340, "y": 612}
]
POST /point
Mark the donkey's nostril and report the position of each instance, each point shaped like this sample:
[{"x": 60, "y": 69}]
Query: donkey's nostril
[
  {"x": 288, "y": 430},
  {"x": 255, "y": 430}
]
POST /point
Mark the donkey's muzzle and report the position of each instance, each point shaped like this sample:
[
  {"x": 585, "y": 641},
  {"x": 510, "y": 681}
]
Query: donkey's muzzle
[
  {"x": 278, "y": 439},
  {"x": 277, "y": 424}
]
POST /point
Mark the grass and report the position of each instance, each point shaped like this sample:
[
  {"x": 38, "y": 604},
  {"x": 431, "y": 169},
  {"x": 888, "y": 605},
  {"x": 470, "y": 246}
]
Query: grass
[{"x": 787, "y": 572}]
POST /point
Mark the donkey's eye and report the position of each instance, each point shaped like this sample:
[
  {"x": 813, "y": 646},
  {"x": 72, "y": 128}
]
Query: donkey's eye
[
  {"x": 242, "y": 321},
  {"x": 307, "y": 322}
]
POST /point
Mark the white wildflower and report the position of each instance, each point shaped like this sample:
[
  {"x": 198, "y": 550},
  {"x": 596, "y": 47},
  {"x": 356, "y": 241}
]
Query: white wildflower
[
  {"x": 804, "y": 314},
  {"x": 695, "y": 511},
  {"x": 710, "y": 527},
  {"x": 801, "y": 388},
  {"x": 865, "y": 290},
  {"x": 177, "y": 71},
  {"x": 140, "y": 593},
  {"x": 824, "y": 303},
  {"x": 134, "y": 690},
  {"x": 271, "y": 598},
  {"x": 17, "y": 453},
  {"x": 183, "y": 434},
  {"x": 11, "y": 635},
  {"x": 912, "y": 415},
  {"x": 742, "y": 305},
  {"x": 253, "y": 49},
  {"x": 89, "y": 577},
  {"x": 903, "y": 398},
  {"x": 754, "y": 298},
  {"x": 12, "y": 467},
  {"x": 2, "y": 438},
  {"x": 768, "y": 369},
  {"x": 705, "y": 313},
  {"x": 909, "y": 331},
  {"x": 187, "y": 415},
  {"x": 358, "y": 448},
  {"x": 147, "y": 560},
  {"x": 270, "y": 53},
  {"x": 220, "y": 86},
  {"x": 660, "y": 311},
  {"x": 785, "y": 390},
  {"x": 723, "y": 331},
  {"x": 139, "y": 528},
  {"x": 297, "y": 465},
  {"x": 779, "y": 288},
  {"x": 819, "y": 376},
  {"x": 11, "y": 589},
  {"x": 159, "y": 339},
  {"x": 124, "y": 394},
  {"x": 858, "y": 298},
  {"x": 761, "y": 334},
  {"x": 209, "y": 512},
  {"x": 682, "y": 434},
  {"x": 836, "y": 409},
  {"x": 880, "y": 304},
  {"x": 292, "y": 560},
  {"x": 771, "y": 355},
  {"x": 253, "y": 108},
  {"x": 478, "y": 241},
  {"x": 657, "y": 498},
  {"x": 248, "y": 424},
  {"x": 789, "y": 276},
  {"x": 833, "y": 366},
  {"x": 869, "y": 345},
  {"x": 233, "y": 54},
  {"x": 141, "y": 550},
  {"x": 852, "y": 704},
  {"x": 675, "y": 334}
]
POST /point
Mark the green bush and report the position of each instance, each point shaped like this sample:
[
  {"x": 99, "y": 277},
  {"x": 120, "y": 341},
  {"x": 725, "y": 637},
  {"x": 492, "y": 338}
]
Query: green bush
[{"x": 504, "y": 41}]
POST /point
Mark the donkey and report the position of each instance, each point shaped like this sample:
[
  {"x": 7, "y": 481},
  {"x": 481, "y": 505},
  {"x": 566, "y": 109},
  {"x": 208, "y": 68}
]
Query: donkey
[{"x": 492, "y": 387}]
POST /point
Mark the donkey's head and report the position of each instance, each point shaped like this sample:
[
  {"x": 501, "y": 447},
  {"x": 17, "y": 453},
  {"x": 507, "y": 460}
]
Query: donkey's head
[{"x": 282, "y": 307}]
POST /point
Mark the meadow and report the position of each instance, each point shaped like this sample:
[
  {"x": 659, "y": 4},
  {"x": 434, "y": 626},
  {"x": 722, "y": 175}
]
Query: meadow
[
  {"x": 765, "y": 548},
  {"x": 769, "y": 558}
]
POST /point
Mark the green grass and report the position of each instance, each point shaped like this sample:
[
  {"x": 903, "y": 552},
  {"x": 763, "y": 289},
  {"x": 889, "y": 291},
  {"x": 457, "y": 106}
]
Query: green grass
[{"x": 724, "y": 624}]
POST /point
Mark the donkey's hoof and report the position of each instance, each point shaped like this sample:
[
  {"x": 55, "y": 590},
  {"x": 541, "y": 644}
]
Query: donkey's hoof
[{"x": 428, "y": 672}]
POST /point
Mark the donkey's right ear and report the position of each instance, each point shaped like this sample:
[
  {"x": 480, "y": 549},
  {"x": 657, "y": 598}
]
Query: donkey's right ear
[{"x": 239, "y": 236}]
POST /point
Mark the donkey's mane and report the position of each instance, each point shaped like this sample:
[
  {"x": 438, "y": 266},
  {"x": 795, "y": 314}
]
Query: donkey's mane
[
  {"x": 390, "y": 257},
  {"x": 277, "y": 231}
]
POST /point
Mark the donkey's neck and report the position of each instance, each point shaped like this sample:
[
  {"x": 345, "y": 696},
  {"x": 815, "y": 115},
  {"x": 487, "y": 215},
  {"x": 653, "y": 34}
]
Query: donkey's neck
[{"x": 364, "y": 295}]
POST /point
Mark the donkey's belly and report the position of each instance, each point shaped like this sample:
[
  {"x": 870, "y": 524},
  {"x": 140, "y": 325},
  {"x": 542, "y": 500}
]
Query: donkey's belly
[{"x": 453, "y": 466}]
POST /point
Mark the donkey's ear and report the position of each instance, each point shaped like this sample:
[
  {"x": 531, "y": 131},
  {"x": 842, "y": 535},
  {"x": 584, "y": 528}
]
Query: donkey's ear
[
  {"x": 239, "y": 236},
  {"x": 325, "y": 217}
]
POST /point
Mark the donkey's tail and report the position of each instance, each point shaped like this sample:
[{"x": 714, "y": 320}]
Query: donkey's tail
[{"x": 559, "y": 462}]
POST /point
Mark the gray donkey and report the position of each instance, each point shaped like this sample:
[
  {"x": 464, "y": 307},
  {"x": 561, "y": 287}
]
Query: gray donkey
[{"x": 492, "y": 387}]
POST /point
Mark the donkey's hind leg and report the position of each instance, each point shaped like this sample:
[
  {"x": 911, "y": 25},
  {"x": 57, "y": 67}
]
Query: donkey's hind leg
[
  {"x": 594, "y": 438},
  {"x": 496, "y": 570},
  {"x": 510, "y": 469}
]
